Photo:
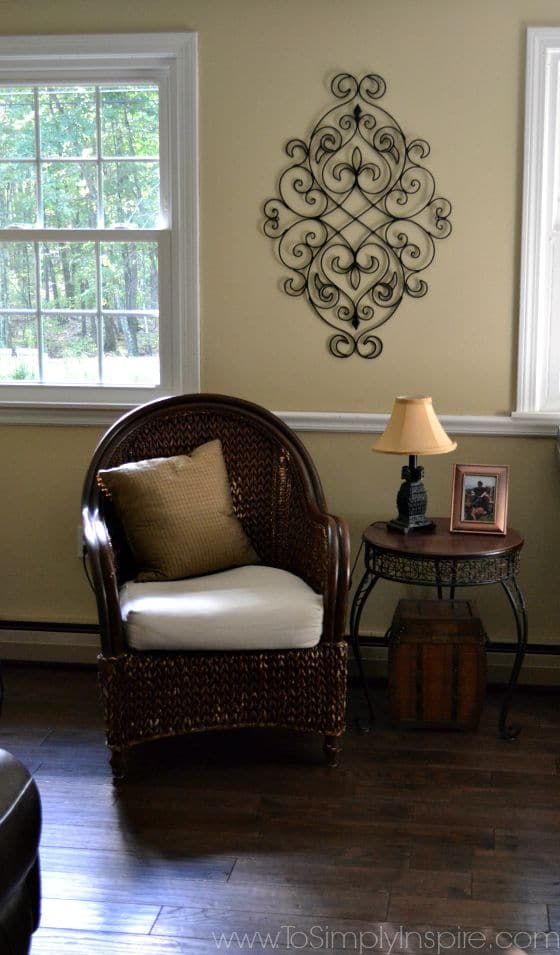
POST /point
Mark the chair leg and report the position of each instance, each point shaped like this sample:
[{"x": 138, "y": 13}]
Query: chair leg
[
  {"x": 117, "y": 761},
  {"x": 332, "y": 749}
]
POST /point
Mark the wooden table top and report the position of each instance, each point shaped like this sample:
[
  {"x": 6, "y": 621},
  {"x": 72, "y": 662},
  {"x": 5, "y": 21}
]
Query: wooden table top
[{"x": 442, "y": 542}]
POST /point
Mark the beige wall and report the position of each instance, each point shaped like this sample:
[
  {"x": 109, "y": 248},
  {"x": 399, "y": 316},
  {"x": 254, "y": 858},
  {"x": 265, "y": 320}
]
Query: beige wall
[{"x": 455, "y": 74}]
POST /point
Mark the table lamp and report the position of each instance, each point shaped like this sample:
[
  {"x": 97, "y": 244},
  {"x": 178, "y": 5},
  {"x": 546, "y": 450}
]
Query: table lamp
[{"x": 413, "y": 429}]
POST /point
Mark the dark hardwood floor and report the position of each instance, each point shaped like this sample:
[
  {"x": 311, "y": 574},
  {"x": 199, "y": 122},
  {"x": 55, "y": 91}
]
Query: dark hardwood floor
[{"x": 216, "y": 834}]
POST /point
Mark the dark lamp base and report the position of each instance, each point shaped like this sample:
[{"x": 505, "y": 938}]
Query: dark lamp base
[
  {"x": 400, "y": 527},
  {"x": 412, "y": 502}
]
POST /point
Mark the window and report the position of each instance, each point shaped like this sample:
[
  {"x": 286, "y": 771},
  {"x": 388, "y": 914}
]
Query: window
[
  {"x": 539, "y": 335},
  {"x": 98, "y": 224}
]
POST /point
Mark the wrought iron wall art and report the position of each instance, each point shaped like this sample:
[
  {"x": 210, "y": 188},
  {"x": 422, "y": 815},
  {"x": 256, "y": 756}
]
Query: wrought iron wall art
[{"x": 356, "y": 216}]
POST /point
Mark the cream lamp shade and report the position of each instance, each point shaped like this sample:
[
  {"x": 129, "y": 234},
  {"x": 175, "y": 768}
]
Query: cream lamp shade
[{"x": 413, "y": 428}]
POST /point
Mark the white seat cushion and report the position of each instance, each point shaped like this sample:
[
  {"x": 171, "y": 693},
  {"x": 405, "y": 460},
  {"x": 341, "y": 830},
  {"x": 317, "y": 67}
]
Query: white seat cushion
[{"x": 246, "y": 608}]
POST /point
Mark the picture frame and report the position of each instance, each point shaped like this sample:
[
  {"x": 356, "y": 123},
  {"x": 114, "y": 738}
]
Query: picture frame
[{"x": 479, "y": 502}]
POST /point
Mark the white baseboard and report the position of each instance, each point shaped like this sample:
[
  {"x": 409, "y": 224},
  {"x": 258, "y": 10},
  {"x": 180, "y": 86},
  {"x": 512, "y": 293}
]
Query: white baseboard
[
  {"x": 82, "y": 648},
  {"x": 48, "y": 646}
]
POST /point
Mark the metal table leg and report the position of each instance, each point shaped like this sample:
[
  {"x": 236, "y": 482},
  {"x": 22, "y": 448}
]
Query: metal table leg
[
  {"x": 365, "y": 587},
  {"x": 519, "y": 608}
]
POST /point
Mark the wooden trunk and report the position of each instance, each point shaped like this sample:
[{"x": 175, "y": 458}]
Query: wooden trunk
[{"x": 437, "y": 664}]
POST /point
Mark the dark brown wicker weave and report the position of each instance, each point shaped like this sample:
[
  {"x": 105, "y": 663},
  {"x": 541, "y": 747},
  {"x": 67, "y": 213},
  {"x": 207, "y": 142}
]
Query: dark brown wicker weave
[{"x": 278, "y": 498}]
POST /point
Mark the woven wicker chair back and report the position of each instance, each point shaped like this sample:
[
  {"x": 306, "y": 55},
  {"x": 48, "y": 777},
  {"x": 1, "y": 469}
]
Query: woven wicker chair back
[{"x": 271, "y": 476}]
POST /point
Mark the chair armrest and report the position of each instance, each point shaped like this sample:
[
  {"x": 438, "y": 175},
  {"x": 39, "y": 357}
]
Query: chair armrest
[
  {"x": 103, "y": 569},
  {"x": 319, "y": 551}
]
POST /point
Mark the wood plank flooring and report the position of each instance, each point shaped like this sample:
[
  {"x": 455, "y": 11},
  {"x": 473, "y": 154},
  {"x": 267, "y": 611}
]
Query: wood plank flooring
[{"x": 247, "y": 841}]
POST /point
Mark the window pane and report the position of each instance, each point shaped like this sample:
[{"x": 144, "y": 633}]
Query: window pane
[
  {"x": 129, "y": 275},
  {"x": 70, "y": 349},
  {"x": 70, "y": 195},
  {"x": 17, "y": 275},
  {"x": 131, "y": 194},
  {"x": 131, "y": 350},
  {"x": 17, "y": 123},
  {"x": 18, "y": 348},
  {"x": 68, "y": 122},
  {"x": 18, "y": 197},
  {"x": 130, "y": 121},
  {"x": 68, "y": 275}
]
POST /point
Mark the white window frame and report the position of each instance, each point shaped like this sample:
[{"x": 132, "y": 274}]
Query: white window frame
[
  {"x": 171, "y": 60},
  {"x": 538, "y": 391}
]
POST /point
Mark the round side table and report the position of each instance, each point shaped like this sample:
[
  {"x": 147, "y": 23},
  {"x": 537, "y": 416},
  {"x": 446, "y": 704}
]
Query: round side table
[{"x": 442, "y": 559}]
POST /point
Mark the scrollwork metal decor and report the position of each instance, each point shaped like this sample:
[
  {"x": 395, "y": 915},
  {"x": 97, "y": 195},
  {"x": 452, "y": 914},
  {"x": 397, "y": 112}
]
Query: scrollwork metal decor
[{"x": 356, "y": 216}]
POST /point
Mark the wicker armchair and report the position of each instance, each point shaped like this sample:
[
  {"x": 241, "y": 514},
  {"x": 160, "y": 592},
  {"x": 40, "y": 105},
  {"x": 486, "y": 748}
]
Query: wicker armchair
[{"x": 277, "y": 496}]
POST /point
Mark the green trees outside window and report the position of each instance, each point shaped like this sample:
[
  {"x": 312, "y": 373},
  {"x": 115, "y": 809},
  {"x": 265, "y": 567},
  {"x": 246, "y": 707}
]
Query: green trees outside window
[{"x": 82, "y": 305}]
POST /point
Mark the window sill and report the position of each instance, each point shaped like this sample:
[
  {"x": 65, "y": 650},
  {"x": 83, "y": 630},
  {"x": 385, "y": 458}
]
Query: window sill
[{"x": 61, "y": 414}]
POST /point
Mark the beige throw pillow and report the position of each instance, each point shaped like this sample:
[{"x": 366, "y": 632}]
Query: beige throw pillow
[{"x": 177, "y": 514}]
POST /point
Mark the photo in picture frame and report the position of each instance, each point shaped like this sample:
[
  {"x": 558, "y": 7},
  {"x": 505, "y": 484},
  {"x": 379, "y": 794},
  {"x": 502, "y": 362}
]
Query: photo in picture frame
[{"x": 479, "y": 502}]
